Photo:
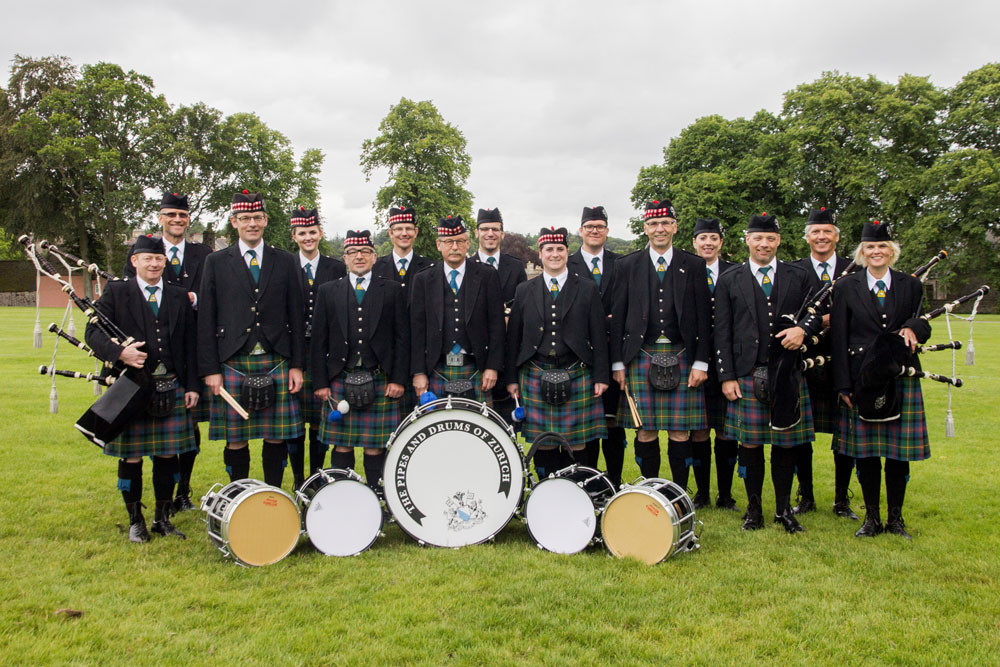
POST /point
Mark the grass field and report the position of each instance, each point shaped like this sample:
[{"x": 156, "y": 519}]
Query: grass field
[{"x": 819, "y": 597}]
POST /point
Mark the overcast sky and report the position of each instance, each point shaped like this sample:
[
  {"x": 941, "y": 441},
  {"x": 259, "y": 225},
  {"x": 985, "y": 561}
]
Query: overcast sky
[{"x": 561, "y": 102}]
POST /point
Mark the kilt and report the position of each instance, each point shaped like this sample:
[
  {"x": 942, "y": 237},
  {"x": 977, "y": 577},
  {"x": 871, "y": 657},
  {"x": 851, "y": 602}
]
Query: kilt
[
  {"x": 151, "y": 436},
  {"x": 443, "y": 374},
  {"x": 748, "y": 420},
  {"x": 682, "y": 409},
  {"x": 715, "y": 410},
  {"x": 903, "y": 439},
  {"x": 826, "y": 414},
  {"x": 579, "y": 419},
  {"x": 310, "y": 406},
  {"x": 371, "y": 427},
  {"x": 281, "y": 421},
  {"x": 203, "y": 411}
]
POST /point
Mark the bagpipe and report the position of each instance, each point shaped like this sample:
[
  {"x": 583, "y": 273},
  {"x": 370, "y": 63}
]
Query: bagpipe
[{"x": 129, "y": 390}]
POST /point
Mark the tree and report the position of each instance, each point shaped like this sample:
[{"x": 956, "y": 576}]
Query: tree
[{"x": 427, "y": 165}]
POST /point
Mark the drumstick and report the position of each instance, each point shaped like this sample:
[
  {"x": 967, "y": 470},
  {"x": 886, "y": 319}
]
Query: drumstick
[
  {"x": 632, "y": 408},
  {"x": 228, "y": 398}
]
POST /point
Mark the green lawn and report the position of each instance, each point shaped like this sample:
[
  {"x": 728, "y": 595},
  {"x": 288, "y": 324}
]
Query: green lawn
[{"x": 819, "y": 597}]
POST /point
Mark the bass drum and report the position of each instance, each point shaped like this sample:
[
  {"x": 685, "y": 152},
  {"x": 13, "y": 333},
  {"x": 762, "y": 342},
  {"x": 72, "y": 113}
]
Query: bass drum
[
  {"x": 650, "y": 520},
  {"x": 253, "y": 522},
  {"x": 562, "y": 509},
  {"x": 454, "y": 474},
  {"x": 342, "y": 516}
]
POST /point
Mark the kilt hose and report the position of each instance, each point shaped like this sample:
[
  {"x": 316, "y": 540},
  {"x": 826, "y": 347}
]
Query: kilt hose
[
  {"x": 443, "y": 374},
  {"x": 749, "y": 421},
  {"x": 281, "y": 421},
  {"x": 579, "y": 419},
  {"x": 681, "y": 409},
  {"x": 152, "y": 436},
  {"x": 371, "y": 427},
  {"x": 310, "y": 406},
  {"x": 903, "y": 439}
]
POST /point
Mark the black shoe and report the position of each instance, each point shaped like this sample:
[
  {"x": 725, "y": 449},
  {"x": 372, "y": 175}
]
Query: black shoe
[
  {"x": 137, "y": 533},
  {"x": 805, "y": 505},
  {"x": 183, "y": 504},
  {"x": 701, "y": 501},
  {"x": 787, "y": 519},
  {"x": 871, "y": 527},
  {"x": 896, "y": 525},
  {"x": 726, "y": 504},
  {"x": 842, "y": 508},
  {"x": 164, "y": 527},
  {"x": 754, "y": 520}
]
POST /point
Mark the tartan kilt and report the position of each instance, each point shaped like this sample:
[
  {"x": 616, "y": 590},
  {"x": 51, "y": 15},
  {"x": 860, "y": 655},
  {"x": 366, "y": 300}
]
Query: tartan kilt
[
  {"x": 579, "y": 419},
  {"x": 715, "y": 410},
  {"x": 371, "y": 427},
  {"x": 151, "y": 436},
  {"x": 826, "y": 414},
  {"x": 443, "y": 374},
  {"x": 281, "y": 421},
  {"x": 682, "y": 409},
  {"x": 203, "y": 411},
  {"x": 748, "y": 420},
  {"x": 903, "y": 439},
  {"x": 310, "y": 406}
]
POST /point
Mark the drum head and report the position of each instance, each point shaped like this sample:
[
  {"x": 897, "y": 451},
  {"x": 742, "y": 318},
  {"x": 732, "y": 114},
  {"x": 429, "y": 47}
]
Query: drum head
[
  {"x": 638, "y": 524},
  {"x": 344, "y": 518},
  {"x": 263, "y": 526},
  {"x": 560, "y": 516},
  {"x": 453, "y": 477}
]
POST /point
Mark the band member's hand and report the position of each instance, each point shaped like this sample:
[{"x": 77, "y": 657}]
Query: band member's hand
[
  {"x": 420, "y": 384},
  {"x": 214, "y": 383},
  {"x": 323, "y": 393},
  {"x": 909, "y": 337},
  {"x": 792, "y": 338},
  {"x": 191, "y": 399},
  {"x": 512, "y": 390},
  {"x": 826, "y": 321},
  {"x": 393, "y": 390},
  {"x": 696, "y": 378},
  {"x": 619, "y": 377},
  {"x": 731, "y": 390},
  {"x": 599, "y": 388},
  {"x": 132, "y": 356},
  {"x": 192, "y": 296},
  {"x": 295, "y": 380},
  {"x": 489, "y": 379},
  {"x": 846, "y": 399}
]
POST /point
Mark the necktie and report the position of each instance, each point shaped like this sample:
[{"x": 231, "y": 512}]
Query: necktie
[
  {"x": 880, "y": 292},
  {"x": 309, "y": 274},
  {"x": 661, "y": 268},
  {"x": 454, "y": 283},
  {"x": 596, "y": 270},
  {"x": 359, "y": 290},
  {"x": 153, "y": 303},
  {"x": 402, "y": 267},
  {"x": 765, "y": 282},
  {"x": 492, "y": 261},
  {"x": 711, "y": 283},
  {"x": 826, "y": 272},
  {"x": 175, "y": 262},
  {"x": 554, "y": 290},
  {"x": 254, "y": 265}
]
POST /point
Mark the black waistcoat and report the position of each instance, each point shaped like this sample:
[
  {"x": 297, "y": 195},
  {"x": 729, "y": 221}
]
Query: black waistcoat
[
  {"x": 454, "y": 324},
  {"x": 662, "y": 315},
  {"x": 553, "y": 344}
]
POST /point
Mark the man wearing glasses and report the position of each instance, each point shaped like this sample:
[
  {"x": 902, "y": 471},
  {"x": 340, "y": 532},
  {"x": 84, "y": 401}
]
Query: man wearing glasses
[
  {"x": 251, "y": 341},
  {"x": 660, "y": 343},
  {"x": 360, "y": 354},
  {"x": 456, "y": 320},
  {"x": 594, "y": 261},
  {"x": 402, "y": 263},
  {"x": 184, "y": 263}
]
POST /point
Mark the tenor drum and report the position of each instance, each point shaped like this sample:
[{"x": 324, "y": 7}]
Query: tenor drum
[
  {"x": 562, "y": 509},
  {"x": 454, "y": 474},
  {"x": 651, "y": 521},
  {"x": 342, "y": 516},
  {"x": 255, "y": 523}
]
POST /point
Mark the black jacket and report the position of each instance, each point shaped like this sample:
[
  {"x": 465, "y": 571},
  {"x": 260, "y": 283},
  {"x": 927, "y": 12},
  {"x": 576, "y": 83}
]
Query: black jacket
[
  {"x": 385, "y": 267},
  {"x": 191, "y": 267},
  {"x": 856, "y": 321},
  {"x": 581, "y": 325},
  {"x": 712, "y": 384},
  {"x": 231, "y": 306},
  {"x": 576, "y": 264},
  {"x": 386, "y": 324},
  {"x": 482, "y": 304},
  {"x": 328, "y": 269},
  {"x": 631, "y": 305},
  {"x": 512, "y": 274},
  {"x": 128, "y": 307},
  {"x": 737, "y": 336}
]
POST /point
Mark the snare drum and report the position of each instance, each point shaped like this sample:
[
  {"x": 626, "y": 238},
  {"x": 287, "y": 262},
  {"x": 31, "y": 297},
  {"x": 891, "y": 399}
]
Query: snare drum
[
  {"x": 651, "y": 521},
  {"x": 255, "y": 523},
  {"x": 342, "y": 516},
  {"x": 561, "y": 510},
  {"x": 454, "y": 474}
]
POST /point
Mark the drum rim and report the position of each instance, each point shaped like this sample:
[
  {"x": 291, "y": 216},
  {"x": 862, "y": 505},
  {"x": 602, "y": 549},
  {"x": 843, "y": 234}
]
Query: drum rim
[
  {"x": 527, "y": 516},
  {"x": 664, "y": 502},
  {"x": 452, "y": 403},
  {"x": 378, "y": 531}
]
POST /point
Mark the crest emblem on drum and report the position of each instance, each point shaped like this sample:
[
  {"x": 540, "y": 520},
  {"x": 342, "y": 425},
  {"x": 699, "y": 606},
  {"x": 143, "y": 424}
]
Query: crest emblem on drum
[{"x": 464, "y": 511}]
